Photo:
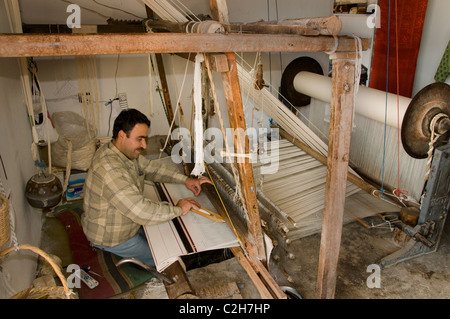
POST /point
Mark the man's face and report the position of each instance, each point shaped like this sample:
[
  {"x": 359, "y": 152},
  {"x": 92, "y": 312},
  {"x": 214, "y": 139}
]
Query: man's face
[{"x": 135, "y": 143}]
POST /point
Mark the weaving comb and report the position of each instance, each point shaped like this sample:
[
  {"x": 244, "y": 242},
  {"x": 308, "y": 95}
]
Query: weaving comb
[{"x": 208, "y": 214}]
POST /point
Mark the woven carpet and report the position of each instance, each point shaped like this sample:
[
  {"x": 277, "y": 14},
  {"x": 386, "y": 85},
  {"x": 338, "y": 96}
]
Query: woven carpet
[{"x": 112, "y": 280}]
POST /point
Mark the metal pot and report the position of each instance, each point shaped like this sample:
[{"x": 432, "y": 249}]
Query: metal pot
[{"x": 43, "y": 191}]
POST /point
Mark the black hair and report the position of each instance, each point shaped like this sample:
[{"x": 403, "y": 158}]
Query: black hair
[{"x": 126, "y": 121}]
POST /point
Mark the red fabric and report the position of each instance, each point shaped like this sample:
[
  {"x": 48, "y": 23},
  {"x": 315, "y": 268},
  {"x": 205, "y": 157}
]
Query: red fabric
[
  {"x": 84, "y": 254},
  {"x": 410, "y": 17},
  {"x": 112, "y": 280}
]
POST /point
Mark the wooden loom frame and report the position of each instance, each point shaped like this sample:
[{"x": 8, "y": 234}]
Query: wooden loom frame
[{"x": 342, "y": 104}]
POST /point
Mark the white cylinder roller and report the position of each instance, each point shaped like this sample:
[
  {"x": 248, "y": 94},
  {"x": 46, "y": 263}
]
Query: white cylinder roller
[{"x": 370, "y": 103}]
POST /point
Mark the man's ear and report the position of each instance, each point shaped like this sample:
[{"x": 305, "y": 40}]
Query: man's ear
[{"x": 121, "y": 134}]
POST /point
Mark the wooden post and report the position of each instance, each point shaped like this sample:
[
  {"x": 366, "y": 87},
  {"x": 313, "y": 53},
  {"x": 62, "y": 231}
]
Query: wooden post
[
  {"x": 164, "y": 87},
  {"x": 342, "y": 103},
  {"x": 162, "y": 77},
  {"x": 236, "y": 116}
]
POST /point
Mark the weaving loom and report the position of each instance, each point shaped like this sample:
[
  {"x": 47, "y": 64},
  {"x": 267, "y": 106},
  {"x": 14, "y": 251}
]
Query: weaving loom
[
  {"x": 290, "y": 202},
  {"x": 185, "y": 235}
]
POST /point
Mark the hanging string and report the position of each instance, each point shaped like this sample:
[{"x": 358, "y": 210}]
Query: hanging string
[
  {"x": 385, "y": 112},
  {"x": 150, "y": 84},
  {"x": 398, "y": 191},
  {"x": 178, "y": 106},
  {"x": 358, "y": 62}
]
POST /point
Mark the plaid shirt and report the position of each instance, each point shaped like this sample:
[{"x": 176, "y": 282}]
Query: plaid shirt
[{"x": 114, "y": 205}]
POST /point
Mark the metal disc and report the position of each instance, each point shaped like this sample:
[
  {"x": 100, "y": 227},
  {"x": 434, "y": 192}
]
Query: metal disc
[
  {"x": 287, "y": 89},
  {"x": 428, "y": 102}
]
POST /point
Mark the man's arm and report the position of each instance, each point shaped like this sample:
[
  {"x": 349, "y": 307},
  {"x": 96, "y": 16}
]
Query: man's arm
[{"x": 124, "y": 195}]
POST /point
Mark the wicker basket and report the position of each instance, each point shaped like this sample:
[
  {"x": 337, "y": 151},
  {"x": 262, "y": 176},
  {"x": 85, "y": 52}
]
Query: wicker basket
[
  {"x": 58, "y": 292},
  {"x": 5, "y": 228}
]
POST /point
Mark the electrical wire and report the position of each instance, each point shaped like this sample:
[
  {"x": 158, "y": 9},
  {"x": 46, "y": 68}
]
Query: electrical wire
[
  {"x": 385, "y": 112},
  {"x": 118, "y": 9}
]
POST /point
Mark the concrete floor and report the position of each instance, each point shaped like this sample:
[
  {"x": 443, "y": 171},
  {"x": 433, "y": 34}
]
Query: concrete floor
[
  {"x": 425, "y": 277},
  {"x": 54, "y": 241}
]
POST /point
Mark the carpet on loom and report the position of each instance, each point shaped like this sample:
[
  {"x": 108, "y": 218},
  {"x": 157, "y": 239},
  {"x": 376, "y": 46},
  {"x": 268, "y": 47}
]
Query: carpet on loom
[{"x": 112, "y": 280}]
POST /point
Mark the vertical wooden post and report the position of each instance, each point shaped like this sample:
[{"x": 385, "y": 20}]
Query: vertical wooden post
[
  {"x": 162, "y": 76},
  {"x": 236, "y": 115},
  {"x": 342, "y": 103},
  {"x": 164, "y": 86}
]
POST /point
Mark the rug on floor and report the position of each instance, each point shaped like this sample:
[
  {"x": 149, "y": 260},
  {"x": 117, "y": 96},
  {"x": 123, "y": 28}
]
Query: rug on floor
[{"x": 112, "y": 280}]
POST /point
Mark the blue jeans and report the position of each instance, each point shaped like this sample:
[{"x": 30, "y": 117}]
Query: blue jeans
[{"x": 135, "y": 247}]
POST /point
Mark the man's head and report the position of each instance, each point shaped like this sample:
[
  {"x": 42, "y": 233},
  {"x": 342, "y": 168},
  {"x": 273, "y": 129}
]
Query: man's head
[{"x": 130, "y": 132}]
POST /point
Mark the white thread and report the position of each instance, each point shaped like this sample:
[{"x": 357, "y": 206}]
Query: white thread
[
  {"x": 336, "y": 44},
  {"x": 176, "y": 110},
  {"x": 199, "y": 168},
  {"x": 150, "y": 84}
]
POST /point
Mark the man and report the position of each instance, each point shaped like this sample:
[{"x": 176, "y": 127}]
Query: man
[{"x": 114, "y": 206}]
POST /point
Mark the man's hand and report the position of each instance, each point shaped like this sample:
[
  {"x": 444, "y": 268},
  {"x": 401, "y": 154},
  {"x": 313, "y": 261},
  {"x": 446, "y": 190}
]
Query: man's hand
[
  {"x": 186, "y": 204},
  {"x": 194, "y": 184}
]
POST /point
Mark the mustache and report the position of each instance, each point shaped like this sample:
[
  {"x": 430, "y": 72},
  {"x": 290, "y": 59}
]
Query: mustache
[{"x": 140, "y": 149}]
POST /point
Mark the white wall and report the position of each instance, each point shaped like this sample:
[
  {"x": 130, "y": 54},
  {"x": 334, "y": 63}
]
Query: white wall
[
  {"x": 366, "y": 152},
  {"x": 17, "y": 269},
  {"x": 59, "y": 75},
  {"x": 435, "y": 37}
]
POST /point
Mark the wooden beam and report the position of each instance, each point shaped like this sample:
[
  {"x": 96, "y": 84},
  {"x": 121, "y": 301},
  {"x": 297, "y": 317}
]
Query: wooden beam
[
  {"x": 331, "y": 25},
  {"x": 219, "y": 10},
  {"x": 263, "y": 281},
  {"x": 233, "y": 97},
  {"x": 162, "y": 77},
  {"x": 309, "y": 26},
  {"x": 342, "y": 104},
  {"x": 180, "y": 285},
  {"x": 28, "y": 45},
  {"x": 236, "y": 116}
]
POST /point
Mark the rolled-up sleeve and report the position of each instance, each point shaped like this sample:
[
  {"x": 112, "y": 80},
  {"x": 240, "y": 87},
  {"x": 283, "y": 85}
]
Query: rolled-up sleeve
[
  {"x": 123, "y": 194},
  {"x": 115, "y": 206}
]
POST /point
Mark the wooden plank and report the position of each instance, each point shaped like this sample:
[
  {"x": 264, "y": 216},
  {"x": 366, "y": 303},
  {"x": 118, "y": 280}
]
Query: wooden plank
[
  {"x": 331, "y": 25},
  {"x": 259, "y": 284},
  {"x": 308, "y": 26},
  {"x": 219, "y": 10},
  {"x": 268, "y": 279},
  {"x": 342, "y": 104},
  {"x": 236, "y": 116},
  {"x": 254, "y": 238},
  {"x": 164, "y": 87},
  {"x": 219, "y": 62},
  {"x": 27, "y": 45},
  {"x": 162, "y": 77},
  {"x": 181, "y": 285}
]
